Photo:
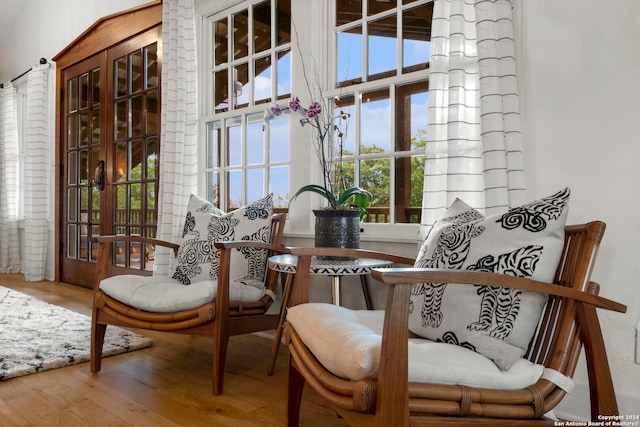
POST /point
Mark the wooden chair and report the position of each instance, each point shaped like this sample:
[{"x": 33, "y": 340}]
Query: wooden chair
[
  {"x": 219, "y": 319},
  {"x": 569, "y": 323}
]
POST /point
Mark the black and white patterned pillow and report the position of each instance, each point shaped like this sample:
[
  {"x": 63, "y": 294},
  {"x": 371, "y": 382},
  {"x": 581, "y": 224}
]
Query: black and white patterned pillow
[
  {"x": 198, "y": 259},
  {"x": 526, "y": 241}
]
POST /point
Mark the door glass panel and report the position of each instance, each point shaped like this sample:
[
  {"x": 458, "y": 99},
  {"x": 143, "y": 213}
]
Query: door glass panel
[
  {"x": 120, "y": 69},
  {"x": 136, "y": 116},
  {"x": 151, "y": 62},
  {"x": 84, "y": 90},
  {"x": 121, "y": 120},
  {"x": 151, "y": 104},
  {"x": 152, "y": 158},
  {"x": 72, "y": 90},
  {"x": 95, "y": 87},
  {"x": 72, "y": 132},
  {"x": 136, "y": 75}
]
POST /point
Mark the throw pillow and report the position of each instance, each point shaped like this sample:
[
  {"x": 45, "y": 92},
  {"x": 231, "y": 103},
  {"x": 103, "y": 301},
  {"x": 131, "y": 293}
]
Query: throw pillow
[
  {"x": 198, "y": 259},
  {"x": 498, "y": 323}
]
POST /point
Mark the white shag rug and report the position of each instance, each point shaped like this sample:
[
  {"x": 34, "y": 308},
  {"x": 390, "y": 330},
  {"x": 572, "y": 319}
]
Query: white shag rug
[{"x": 36, "y": 336}]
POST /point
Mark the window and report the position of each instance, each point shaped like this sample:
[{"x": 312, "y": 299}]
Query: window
[
  {"x": 372, "y": 59},
  {"x": 250, "y": 68},
  {"x": 382, "y": 60}
]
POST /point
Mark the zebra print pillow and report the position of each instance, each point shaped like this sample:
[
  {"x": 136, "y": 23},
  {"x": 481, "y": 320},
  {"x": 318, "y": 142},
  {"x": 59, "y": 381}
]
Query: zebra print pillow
[
  {"x": 198, "y": 259},
  {"x": 525, "y": 241}
]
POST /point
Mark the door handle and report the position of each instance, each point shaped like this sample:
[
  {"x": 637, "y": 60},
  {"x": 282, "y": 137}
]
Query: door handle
[{"x": 98, "y": 180}]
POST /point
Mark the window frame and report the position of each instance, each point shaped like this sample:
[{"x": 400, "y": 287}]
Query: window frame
[{"x": 302, "y": 161}]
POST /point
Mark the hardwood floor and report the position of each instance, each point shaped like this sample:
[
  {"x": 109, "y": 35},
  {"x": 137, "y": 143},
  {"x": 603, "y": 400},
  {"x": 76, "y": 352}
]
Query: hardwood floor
[{"x": 168, "y": 384}]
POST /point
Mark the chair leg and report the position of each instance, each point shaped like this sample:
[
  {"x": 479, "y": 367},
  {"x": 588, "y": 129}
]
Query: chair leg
[
  {"x": 97, "y": 340},
  {"x": 219, "y": 357},
  {"x": 294, "y": 395}
]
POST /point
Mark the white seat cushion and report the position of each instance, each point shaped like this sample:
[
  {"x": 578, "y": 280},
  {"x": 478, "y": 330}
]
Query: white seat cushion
[
  {"x": 347, "y": 343},
  {"x": 160, "y": 294}
]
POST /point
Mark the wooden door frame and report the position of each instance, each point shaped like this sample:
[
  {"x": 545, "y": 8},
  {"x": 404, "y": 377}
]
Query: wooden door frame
[{"x": 103, "y": 34}]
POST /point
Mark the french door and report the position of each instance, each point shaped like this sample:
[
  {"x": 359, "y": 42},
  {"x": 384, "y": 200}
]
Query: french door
[{"x": 110, "y": 146}]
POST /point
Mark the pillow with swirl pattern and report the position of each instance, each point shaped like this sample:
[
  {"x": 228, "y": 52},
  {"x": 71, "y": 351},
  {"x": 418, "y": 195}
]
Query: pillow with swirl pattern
[
  {"x": 198, "y": 258},
  {"x": 525, "y": 241}
]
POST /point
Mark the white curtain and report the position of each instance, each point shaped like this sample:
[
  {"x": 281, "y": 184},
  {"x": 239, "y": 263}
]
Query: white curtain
[
  {"x": 474, "y": 148},
  {"x": 9, "y": 255},
  {"x": 36, "y": 165},
  {"x": 178, "y": 153}
]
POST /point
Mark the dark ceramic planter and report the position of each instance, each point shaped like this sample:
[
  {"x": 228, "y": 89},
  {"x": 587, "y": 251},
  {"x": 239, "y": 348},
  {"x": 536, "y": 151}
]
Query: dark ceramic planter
[{"x": 337, "y": 228}]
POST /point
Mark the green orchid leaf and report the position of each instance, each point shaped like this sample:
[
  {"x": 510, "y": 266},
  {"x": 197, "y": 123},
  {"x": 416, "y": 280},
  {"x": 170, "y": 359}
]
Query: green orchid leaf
[{"x": 314, "y": 188}]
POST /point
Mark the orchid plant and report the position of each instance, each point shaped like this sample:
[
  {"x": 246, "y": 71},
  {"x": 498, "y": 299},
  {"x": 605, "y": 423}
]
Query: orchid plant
[{"x": 334, "y": 189}]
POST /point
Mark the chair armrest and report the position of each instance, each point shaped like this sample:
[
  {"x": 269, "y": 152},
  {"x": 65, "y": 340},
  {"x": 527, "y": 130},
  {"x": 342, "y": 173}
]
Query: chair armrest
[
  {"x": 432, "y": 275},
  {"x": 225, "y": 246},
  {"x": 105, "y": 248},
  {"x": 136, "y": 239}
]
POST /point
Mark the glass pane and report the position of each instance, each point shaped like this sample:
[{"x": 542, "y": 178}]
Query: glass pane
[
  {"x": 279, "y": 139},
  {"x": 375, "y": 177},
  {"x": 377, "y": 6},
  {"x": 416, "y": 37},
  {"x": 283, "y": 21},
  {"x": 348, "y": 11},
  {"x": 72, "y": 204},
  {"x": 137, "y": 75},
  {"x": 345, "y": 140},
  {"x": 414, "y": 212},
  {"x": 120, "y": 170},
  {"x": 234, "y": 145},
  {"x": 349, "y": 57},
  {"x": 241, "y": 86},
  {"x": 121, "y": 204},
  {"x": 220, "y": 42},
  {"x": 255, "y": 143},
  {"x": 234, "y": 196},
  {"x": 262, "y": 71},
  {"x": 95, "y": 87},
  {"x": 411, "y": 115},
  {"x": 136, "y": 116},
  {"x": 95, "y": 127},
  {"x": 255, "y": 184},
  {"x": 84, "y": 167},
  {"x": 84, "y": 242},
  {"x": 121, "y": 76},
  {"x": 382, "y": 48},
  {"x": 279, "y": 186},
  {"x": 213, "y": 146},
  {"x": 262, "y": 27},
  {"x": 85, "y": 130},
  {"x": 375, "y": 126},
  {"x": 72, "y": 132},
  {"x": 151, "y": 61},
  {"x": 284, "y": 74},
  {"x": 221, "y": 91},
  {"x": 95, "y": 205},
  {"x": 84, "y": 90},
  {"x": 151, "y": 99},
  {"x": 135, "y": 160},
  {"x": 95, "y": 160},
  {"x": 121, "y": 120},
  {"x": 213, "y": 188},
  {"x": 72, "y": 167},
  {"x": 240, "y": 34},
  {"x": 135, "y": 204},
  {"x": 84, "y": 204},
  {"x": 151, "y": 202},
  {"x": 152, "y": 158},
  {"x": 71, "y": 241},
  {"x": 73, "y": 94}
]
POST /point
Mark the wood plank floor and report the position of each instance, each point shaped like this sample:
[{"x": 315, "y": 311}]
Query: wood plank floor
[{"x": 168, "y": 384}]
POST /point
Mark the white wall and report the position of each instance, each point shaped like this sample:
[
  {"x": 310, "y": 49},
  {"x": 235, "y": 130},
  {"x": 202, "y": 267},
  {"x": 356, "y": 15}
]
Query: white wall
[
  {"x": 580, "y": 94},
  {"x": 580, "y": 100}
]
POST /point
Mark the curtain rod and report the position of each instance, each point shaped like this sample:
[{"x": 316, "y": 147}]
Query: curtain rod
[{"x": 42, "y": 61}]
